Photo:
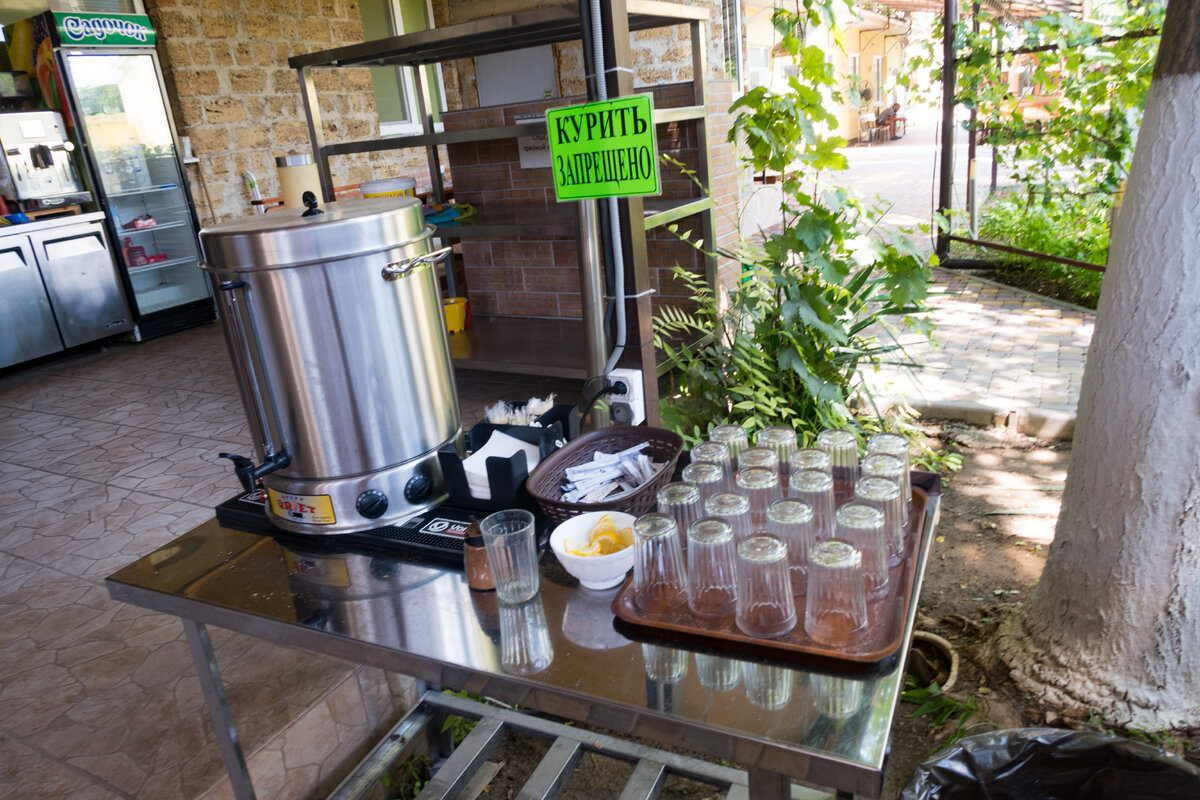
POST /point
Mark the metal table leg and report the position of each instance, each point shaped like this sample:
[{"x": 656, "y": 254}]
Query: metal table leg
[{"x": 218, "y": 709}]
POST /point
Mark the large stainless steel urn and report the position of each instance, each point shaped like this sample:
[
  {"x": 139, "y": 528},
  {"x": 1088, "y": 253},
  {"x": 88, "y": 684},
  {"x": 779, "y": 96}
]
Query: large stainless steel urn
[{"x": 335, "y": 328}]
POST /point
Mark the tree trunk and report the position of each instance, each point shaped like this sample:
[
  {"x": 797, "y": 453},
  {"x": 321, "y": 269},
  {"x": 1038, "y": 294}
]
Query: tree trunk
[{"x": 1114, "y": 623}]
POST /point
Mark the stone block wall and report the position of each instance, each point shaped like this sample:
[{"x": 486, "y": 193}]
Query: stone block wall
[{"x": 232, "y": 92}]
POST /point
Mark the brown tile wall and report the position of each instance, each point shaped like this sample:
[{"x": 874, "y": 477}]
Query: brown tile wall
[{"x": 531, "y": 277}]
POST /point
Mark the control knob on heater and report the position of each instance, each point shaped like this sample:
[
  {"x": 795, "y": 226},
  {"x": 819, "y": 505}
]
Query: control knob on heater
[{"x": 371, "y": 504}]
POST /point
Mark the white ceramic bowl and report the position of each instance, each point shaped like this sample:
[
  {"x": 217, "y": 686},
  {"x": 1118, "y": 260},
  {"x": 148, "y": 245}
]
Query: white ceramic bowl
[{"x": 593, "y": 572}]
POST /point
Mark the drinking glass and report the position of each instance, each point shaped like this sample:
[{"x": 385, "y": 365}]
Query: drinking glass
[
  {"x": 708, "y": 478},
  {"x": 733, "y": 435},
  {"x": 884, "y": 494},
  {"x": 815, "y": 489},
  {"x": 862, "y": 526},
  {"x": 718, "y": 673},
  {"x": 836, "y": 697},
  {"x": 659, "y": 579},
  {"x": 664, "y": 664},
  {"x": 810, "y": 458},
  {"x": 761, "y": 486},
  {"x": 681, "y": 502},
  {"x": 836, "y": 614},
  {"x": 524, "y": 638},
  {"x": 842, "y": 446},
  {"x": 881, "y": 465},
  {"x": 783, "y": 442},
  {"x": 765, "y": 606},
  {"x": 760, "y": 457},
  {"x": 712, "y": 571},
  {"x": 768, "y": 687},
  {"x": 511, "y": 545},
  {"x": 734, "y": 509},
  {"x": 792, "y": 522},
  {"x": 896, "y": 446},
  {"x": 716, "y": 453}
]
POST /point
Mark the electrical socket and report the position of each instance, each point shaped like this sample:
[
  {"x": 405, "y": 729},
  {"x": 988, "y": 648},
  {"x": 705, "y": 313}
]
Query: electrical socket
[{"x": 634, "y": 397}]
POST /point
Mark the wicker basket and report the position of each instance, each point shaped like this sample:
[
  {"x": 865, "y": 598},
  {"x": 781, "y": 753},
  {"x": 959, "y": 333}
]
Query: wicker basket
[{"x": 545, "y": 484}]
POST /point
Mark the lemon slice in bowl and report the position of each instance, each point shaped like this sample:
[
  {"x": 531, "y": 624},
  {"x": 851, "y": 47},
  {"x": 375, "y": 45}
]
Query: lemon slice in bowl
[
  {"x": 608, "y": 542},
  {"x": 592, "y": 548}
]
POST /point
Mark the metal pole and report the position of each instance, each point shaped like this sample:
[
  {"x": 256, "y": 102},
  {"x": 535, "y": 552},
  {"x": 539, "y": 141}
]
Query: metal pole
[
  {"x": 591, "y": 286},
  {"x": 972, "y": 139},
  {"x": 949, "y": 75}
]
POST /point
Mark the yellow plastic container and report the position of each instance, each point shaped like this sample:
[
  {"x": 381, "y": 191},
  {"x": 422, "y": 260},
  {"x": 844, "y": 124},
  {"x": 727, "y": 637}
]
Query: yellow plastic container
[
  {"x": 390, "y": 187},
  {"x": 458, "y": 313}
]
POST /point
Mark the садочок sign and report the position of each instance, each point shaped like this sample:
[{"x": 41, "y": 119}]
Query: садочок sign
[{"x": 604, "y": 149}]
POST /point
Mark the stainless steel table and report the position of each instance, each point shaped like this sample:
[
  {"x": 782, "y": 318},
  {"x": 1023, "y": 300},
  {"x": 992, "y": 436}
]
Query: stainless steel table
[{"x": 823, "y": 727}]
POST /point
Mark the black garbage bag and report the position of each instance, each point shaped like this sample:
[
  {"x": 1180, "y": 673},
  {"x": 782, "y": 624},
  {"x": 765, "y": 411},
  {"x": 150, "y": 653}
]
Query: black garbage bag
[{"x": 1052, "y": 764}]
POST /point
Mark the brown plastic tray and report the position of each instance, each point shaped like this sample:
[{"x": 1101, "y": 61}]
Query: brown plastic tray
[{"x": 885, "y": 626}]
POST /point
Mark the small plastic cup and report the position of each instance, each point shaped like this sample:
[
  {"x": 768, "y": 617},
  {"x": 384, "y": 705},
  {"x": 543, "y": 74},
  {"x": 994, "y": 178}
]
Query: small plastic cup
[
  {"x": 733, "y": 435},
  {"x": 716, "y": 453},
  {"x": 792, "y": 521},
  {"x": 681, "y": 502},
  {"x": 708, "y": 478},
  {"x": 659, "y": 578},
  {"x": 836, "y": 613},
  {"x": 884, "y": 494},
  {"x": 842, "y": 447},
  {"x": 862, "y": 526},
  {"x": 524, "y": 638},
  {"x": 815, "y": 489},
  {"x": 712, "y": 569},
  {"x": 768, "y": 687},
  {"x": 511, "y": 544},
  {"x": 765, "y": 606},
  {"x": 761, "y": 486},
  {"x": 783, "y": 442},
  {"x": 733, "y": 508},
  {"x": 717, "y": 673}
]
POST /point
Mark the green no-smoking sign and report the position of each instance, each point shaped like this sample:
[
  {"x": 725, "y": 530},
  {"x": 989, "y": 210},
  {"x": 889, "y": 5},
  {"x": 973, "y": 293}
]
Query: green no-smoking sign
[{"x": 604, "y": 149}]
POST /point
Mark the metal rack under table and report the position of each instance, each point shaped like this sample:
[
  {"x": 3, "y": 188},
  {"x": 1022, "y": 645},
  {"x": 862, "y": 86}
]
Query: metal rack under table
[{"x": 411, "y": 616}]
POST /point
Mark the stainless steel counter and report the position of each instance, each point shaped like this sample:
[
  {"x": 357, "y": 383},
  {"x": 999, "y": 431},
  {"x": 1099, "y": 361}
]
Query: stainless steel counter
[
  {"x": 825, "y": 725},
  {"x": 49, "y": 223}
]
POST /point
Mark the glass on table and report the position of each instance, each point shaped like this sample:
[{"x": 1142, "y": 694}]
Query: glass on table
[
  {"x": 712, "y": 568},
  {"x": 717, "y": 673},
  {"x": 659, "y": 579},
  {"x": 842, "y": 447},
  {"x": 815, "y": 489},
  {"x": 810, "y": 458},
  {"x": 767, "y": 686},
  {"x": 734, "y": 436},
  {"x": 681, "y": 502},
  {"x": 758, "y": 457},
  {"x": 734, "y": 508},
  {"x": 783, "y": 441},
  {"x": 761, "y": 486},
  {"x": 880, "y": 465},
  {"x": 664, "y": 664},
  {"x": 511, "y": 546},
  {"x": 765, "y": 605},
  {"x": 716, "y": 453},
  {"x": 884, "y": 494},
  {"x": 707, "y": 478},
  {"x": 792, "y": 522},
  {"x": 524, "y": 638},
  {"x": 862, "y": 526},
  {"x": 836, "y": 612},
  {"x": 896, "y": 446}
]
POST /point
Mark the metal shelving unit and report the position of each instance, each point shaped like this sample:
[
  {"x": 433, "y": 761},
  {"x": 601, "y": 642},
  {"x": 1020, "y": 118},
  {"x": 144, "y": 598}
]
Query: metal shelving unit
[{"x": 541, "y": 26}]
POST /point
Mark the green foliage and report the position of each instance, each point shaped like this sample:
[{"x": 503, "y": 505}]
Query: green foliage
[
  {"x": 945, "y": 712},
  {"x": 460, "y": 726},
  {"x": 819, "y": 299}
]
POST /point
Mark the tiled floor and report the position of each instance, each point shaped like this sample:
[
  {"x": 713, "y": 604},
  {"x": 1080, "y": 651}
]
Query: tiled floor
[{"x": 105, "y": 456}]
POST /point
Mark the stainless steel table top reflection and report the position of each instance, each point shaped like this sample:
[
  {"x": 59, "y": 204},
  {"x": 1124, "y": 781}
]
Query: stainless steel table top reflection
[{"x": 414, "y": 617}]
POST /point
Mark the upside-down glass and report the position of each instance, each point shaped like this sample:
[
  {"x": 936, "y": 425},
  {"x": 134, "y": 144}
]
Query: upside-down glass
[
  {"x": 815, "y": 489},
  {"x": 880, "y": 465},
  {"x": 681, "y": 502},
  {"x": 761, "y": 457},
  {"x": 706, "y": 477},
  {"x": 810, "y": 458},
  {"x": 836, "y": 612},
  {"x": 712, "y": 571},
  {"x": 716, "y": 453},
  {"x": 511, "y": 545},
  {"x": 884, "y": 494},
  {"x": 761, "y": 486},
  {"x": 842, "y": 447},
  {"x": 664, "y": 664},
  {"x": 862, "y": 526},
  {"x": 783, "y": 442},
  {"x": 792, "y": 521},
  {"x": 733, "y": 508},
  {"x": 768, "y": 687},
  {"x": 733, "y": 435},
  {"x": 765, "y": 606},
  {"x": 524, "y": 638},
  {"x": 896, "y": 446},
  {"x": 659, "y": 578},
  {"x": 718, "y": 673},
  {"x": 836, "y": 697}
]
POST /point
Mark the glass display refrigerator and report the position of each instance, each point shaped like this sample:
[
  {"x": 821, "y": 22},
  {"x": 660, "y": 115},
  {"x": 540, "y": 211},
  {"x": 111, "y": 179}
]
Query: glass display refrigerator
[{"x": 101, "y": 71}]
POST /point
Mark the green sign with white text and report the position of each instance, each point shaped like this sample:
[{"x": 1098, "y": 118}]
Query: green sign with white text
[
  {"x": 109, "y": 30},
  {"x": 604, "y": 149}
]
